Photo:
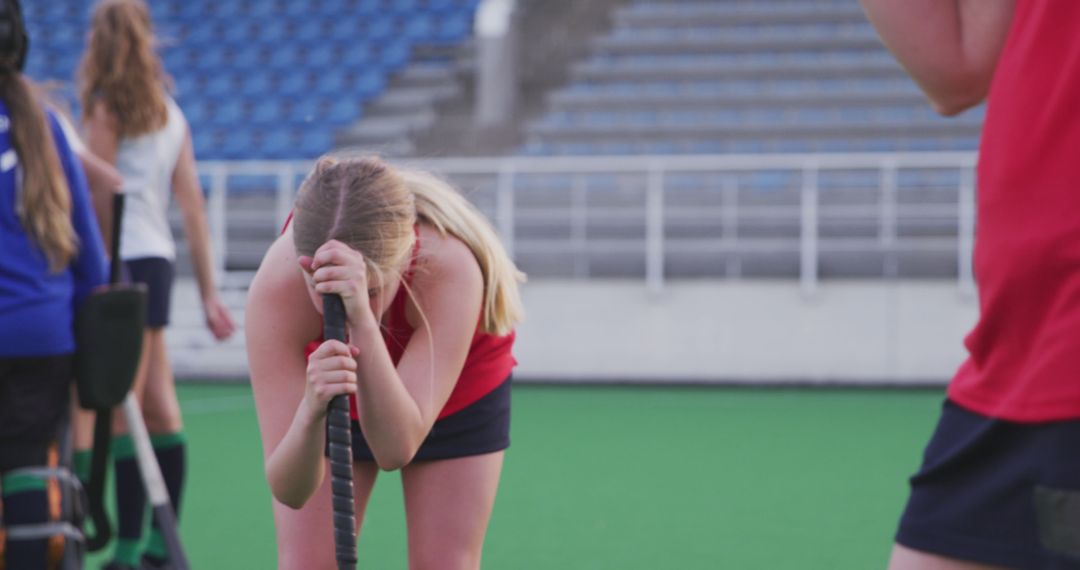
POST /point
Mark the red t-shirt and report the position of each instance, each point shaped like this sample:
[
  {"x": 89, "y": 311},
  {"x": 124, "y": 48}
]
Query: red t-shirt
[
  {"x": 487, "y": 365},
  {"x": 1024, "y": 362}
]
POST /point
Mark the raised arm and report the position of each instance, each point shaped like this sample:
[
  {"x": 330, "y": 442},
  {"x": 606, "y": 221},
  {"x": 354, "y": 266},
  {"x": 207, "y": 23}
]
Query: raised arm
[
  {"x": 189, "y": 197},
  {"x": 448, "y": 290},
  {"x": 399, "y": 406},
  {"x": 950, "y": 47},
  {"x": 279, "y": 322},
  {"x": 102, "y": 141}
]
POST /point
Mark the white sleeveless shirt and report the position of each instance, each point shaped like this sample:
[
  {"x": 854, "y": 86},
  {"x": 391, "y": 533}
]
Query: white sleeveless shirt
[{"x": 147, "y": 162}]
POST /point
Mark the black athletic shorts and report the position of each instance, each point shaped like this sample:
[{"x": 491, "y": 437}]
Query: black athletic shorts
[
  {"x": 34, "y": 397},
  {"x": 482, "y": 427},
  {"x": 157, "y": 273},
  {"x": 997, "y": 492}
]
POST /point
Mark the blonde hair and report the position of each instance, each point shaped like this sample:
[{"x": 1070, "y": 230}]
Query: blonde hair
[
  {"x": 121, "y": 69},
  {"x": 44, "y": 198},
  {"x": 372, "y": 208}
]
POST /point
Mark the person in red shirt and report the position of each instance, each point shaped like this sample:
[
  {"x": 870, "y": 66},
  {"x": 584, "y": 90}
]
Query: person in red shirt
[
  {"x": 431, "y": 299},
  {"x": 1000, "y": 481}
]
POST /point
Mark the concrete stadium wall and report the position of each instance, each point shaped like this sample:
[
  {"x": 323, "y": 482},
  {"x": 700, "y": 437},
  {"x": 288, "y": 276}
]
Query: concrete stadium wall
[
  {"x": 867, "y": 332},
  {"x": 745, "y": 332}
]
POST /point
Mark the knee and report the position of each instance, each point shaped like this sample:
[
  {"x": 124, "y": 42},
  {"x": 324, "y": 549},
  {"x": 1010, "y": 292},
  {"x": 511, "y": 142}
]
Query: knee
[
  {"x": 162, "y": 423},
  {"x": 444, "y": 559}
]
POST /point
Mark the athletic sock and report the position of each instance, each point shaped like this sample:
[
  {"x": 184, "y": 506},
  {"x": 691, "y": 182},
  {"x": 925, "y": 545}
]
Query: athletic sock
[
  {"x": 25, "y": 503},
  {"x": 130, "y": 501},
  {"x": 171, "y": 452}
]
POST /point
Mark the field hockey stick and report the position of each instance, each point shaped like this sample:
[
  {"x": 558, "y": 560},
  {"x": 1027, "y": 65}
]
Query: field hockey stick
[
  {"x": 156, "y": 491},
  {"x": 339, "y": 436},
  {"x": 109, "y": 330}
]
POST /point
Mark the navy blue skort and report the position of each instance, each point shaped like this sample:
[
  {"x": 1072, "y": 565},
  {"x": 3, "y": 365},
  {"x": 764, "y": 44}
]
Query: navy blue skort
[
  {"x": 157, "y": 273},
  {"x": 482, "y": 427},
  {"x": 997, "y": 492}
]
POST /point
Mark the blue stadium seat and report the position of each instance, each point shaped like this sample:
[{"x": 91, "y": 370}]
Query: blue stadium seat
[
  {"x": 343, "y": 111},
  {"x": 211, "y": 59},
  {"x": 283, "y": 58},
  {"x": 379, "y": 29},
  {"x": 293, "y": 83},
  {"x": 229, "y": 113},
  {"x": 273, "y": 32},
  {"x": 237, "y": 34},
  {"x": 261, "y": 9},
  {"x": 453, "y": 29},
  {"x": 278, "y": 144},
  {"x": 356, "y": 56},
  {"x": 238, "y": 143},
  {"x": 257, "y": 84},
  {"x": 346, "y": 30},
  {"x": 305, "y": 112},
  {"x": 369, "y": 84},
  {"x": 265, "y": 78},
  {"x": 267, "y": 112},
  {"x": 219, "y": 86},
  {"x": 248, "y": 57},
  {"x": 314, "y": 142},
  {"x": 310, "y": 30},
  {"x": 321, "y": 55},
  {"x": 395, "y": 55},
  {"x": 333, "y": 82},
  {"x": 418, "y": 27},
  {"x": 205, "y": 143},
  {"x": 195, "y": 111}
]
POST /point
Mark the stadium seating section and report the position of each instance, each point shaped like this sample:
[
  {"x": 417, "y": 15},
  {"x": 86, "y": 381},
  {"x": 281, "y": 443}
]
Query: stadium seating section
[
  {"x": 675, "y": 77},
  {"x": 264, "y": 79}
]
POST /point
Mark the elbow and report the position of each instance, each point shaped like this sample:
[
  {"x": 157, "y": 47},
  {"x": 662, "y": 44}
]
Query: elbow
[
  {"x": 394, "y": 460},
  {"x": 953, "y": 105},
  {"x": 293, "y": 503},
  {"x": 287, "y": 495},
  {"x": 960, "y": 95}
]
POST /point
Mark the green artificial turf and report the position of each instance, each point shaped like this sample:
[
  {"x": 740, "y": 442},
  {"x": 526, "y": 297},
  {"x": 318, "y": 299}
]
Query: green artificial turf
[{"x": 617, "y": 477}]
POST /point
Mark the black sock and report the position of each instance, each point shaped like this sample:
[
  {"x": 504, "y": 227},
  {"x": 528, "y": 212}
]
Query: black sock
[
  {"x": 171, "y": 452},
  {"x": 130, "y": 501},
  {"x": 25, "y": 503}
]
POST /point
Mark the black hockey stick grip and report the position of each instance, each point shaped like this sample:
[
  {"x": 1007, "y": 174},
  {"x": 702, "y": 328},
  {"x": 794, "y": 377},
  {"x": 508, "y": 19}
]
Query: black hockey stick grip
[{"x": 339, "y": 437}]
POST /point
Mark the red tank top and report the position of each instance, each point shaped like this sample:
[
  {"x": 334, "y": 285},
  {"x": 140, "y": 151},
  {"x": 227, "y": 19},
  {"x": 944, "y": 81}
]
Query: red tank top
[
  {"x": 487, "y": 365},
  {"x": 1024, "y": 362}
]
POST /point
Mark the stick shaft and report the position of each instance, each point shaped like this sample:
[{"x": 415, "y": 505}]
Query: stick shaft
[
  {"x": 339, "y": 437},
  {"x": 156, "y": 491}
]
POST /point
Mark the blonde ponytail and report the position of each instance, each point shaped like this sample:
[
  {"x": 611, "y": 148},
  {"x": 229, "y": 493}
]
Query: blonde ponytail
[{"x": 438, "y": 204}]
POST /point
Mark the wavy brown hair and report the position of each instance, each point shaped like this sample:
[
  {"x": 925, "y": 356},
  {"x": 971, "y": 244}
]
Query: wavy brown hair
[
  {"x": 121, "y": 69},
  {"x": 44, "y": 205}
]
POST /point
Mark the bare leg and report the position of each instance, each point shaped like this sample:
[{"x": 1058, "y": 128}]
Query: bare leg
[
  {"x": 904, "y": 558},
  {"x": 448, "y": 504},
  {"x": 305, "y": 537},
  {"x": 161, "y": 409},
  {"x": 139, "y": 385}
]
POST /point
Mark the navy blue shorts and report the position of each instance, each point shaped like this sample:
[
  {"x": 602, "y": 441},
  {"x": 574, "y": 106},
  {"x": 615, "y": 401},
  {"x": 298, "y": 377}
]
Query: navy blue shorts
[
  {"x": 34, "y": 395},
  {"x": 483, "y": 427},
  {"x": 997, "y": 492},
  {"x": 157, "y": 273}
]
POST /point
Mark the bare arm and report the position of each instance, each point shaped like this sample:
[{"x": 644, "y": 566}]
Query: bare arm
[
  {"x": 950, "y": 47},
  {"x": 399, "y": 406},
  {"x": 189, "y": 197},
  {"x": 279, "y": 322},
  {"x": 102, "y": 141}
]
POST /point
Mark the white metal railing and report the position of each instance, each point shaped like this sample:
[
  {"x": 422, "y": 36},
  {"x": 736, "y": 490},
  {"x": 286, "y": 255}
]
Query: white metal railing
[{"x": 654, "y": 171}]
